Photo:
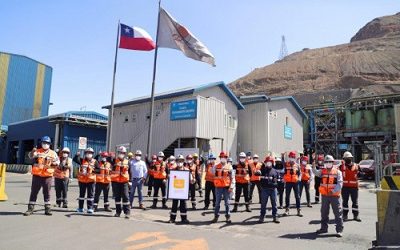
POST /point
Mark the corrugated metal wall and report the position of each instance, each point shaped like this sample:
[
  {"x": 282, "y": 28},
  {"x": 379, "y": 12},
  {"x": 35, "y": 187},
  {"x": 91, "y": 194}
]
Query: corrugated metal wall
[
  {"x": 88, "y": 114},
  {"x": 24, "y": 88}
]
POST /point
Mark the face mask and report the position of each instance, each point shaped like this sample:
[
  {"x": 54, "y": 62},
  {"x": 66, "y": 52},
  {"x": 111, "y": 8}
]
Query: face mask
[
  {"x": 269, "y": 164},
  {"x": 304, "y": 163},
  {"x": 320, "y": 163},
  {"x": 329, "y": 165},
  {"x": 190, "y": 161},
  {"x": 65, "y": 155},
  {"x": 223, "y": 161},
  {"x": 212, "y": 161},
  {"x": 255, "y": 160},
  {"x": 347, "y": 161},
  {"x": 121, "y": 156},
  {"x": 172, "y": 162},
  {"x": 292, "y": 159},
  {"x": 45, "y": 146},
  {"x": 242, "y": 160},
  {"x": 154, "y": 161},
  {"x": 180, "y": 164},
  {"x": 89, "y": 156},
  {"x": 160, "y": 158},
  {"x": 104, "y": 159},
  {"x": 138, "y": 157}
]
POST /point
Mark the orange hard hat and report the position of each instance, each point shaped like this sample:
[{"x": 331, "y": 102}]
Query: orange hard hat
[
  {"x": 292, "y": 154},
  {"x": 223, "y": 154},
  {"x": 269, "y": 159}
]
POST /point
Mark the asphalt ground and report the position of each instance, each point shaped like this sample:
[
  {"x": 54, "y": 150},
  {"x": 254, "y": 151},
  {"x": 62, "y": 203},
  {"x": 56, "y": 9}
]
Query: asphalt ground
[{"x": 149, "y": 229}]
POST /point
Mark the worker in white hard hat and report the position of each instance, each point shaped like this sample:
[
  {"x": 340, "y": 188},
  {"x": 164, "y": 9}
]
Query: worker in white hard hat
[
  {"x": 242, "y": 177},
  {"x": 61, "y": 177},
  {"x": 86, "y": 179},
  {"x": 330, "y": 189},
  {"x": 160, "y": 174},
  {"x": 350, "y": 186},
  {"x": 181, "y": 202},
  {"x": 120, "y": 182}
]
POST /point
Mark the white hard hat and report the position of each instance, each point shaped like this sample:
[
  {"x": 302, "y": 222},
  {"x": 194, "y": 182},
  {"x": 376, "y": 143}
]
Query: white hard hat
[
  {"x": 329, "y": 158},
  {"x": 89, "y": 150},
  {"x": 278, "y": 159},
  {"x": 242, "y": 154},
  {"x": 161, "y": 154},
  {"x": 347, "y": 154},
  {"x": 66, "y": 150},
  {"x": 172, "y": 158},
  {"x": 122, "y": 149},
  {"x": 180, "y": 157},
  {"x": 255, "y": 156},
  {"x": 138, "y": 152}
]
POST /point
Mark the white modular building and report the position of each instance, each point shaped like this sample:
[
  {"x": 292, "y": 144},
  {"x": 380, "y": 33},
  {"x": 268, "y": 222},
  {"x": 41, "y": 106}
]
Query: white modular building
[
  {"x": 203, "y": 117},
  {"x": 270, "y": 125}
]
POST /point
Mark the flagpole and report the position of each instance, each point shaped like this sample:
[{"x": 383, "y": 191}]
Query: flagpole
[
  {"x": 111, "y": 117},
  {"x": 150, "y": 132}
]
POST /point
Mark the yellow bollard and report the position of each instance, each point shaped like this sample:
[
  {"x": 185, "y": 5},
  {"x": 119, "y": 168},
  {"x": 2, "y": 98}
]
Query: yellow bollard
[{"x": 3, "y": 195}]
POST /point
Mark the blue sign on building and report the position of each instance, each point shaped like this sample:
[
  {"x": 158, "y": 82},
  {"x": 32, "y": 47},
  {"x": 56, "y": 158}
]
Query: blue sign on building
[
  {"x": 184, "y": 110},
  {"x": 288, "y": 132}
]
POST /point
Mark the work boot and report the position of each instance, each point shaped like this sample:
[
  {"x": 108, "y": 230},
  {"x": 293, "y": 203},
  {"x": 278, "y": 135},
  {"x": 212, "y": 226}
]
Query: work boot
[
  {"x": 79, "y": 210},
  {"x": 345, "y": 218},
  {"x": 171, "y": 221},
  {"x": 127, "y": 216},
  {"x": 261, "y": 220},
  {"x": 205, "y": 208},
  {"x": 309, "y": 204},
  {"x": 215, "y": 220},
  {"x": 107, "y": 208},
  {"x": 250, "y": 201},
  {"x": 30, "y": 210},
  {"x": 58, "y": 203},
  {"x": 299, "y": 212},
  {"x": 149, "y": 194},
  {"x": 276, "y": 220},
  {"x": 154, "y": 204},
  {"x": 141, "y": 206},
  {"x": 235, "y": 207},
  {"x": 164, "y": 204},
  {"x": 90, "y": 211},
  {"x": 95, "y": 208},
  {"x": 357, "y": 218},
  {"x": 286, "y": 213},
  {"x": 184, "y": 220},
  {"x": 339, "y": 234},
  {"x": 321, "y": 231},
  {"x": 194, "y": 206},
  {"x": 47, "y": 210},
  {"x": 228, "y": 219},
  {"x": 117, "y": 215},
  {"x": 65, "y": 204},
  {"x": 248, "y": 208}
]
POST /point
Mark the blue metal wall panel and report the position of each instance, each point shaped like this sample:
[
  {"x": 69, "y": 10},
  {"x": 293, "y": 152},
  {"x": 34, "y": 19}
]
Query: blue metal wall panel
[
  {"x": 96, "y": 137},
  {"x": 46, "y": 91},
  {"x": 33, "y": 130}
]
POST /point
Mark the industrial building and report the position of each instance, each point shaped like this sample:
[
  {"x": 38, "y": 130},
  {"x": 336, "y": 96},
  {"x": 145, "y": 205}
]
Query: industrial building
[
  {"x": 350, "y": 120},
  {"x": 270, "y": 125},
  {"x": 203, "y": 117},
  {"x": 24, "y": 89},
  {"x": 76, "y": 130}
]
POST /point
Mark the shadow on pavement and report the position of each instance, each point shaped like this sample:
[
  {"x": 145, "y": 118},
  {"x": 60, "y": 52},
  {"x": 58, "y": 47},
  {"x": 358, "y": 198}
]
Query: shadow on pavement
[
  {"x": 10, "y": 213},
  {"x": 88, "y": 215},
  {"x": 317, "y": 222},
  {"x": 306, "y": 236}
]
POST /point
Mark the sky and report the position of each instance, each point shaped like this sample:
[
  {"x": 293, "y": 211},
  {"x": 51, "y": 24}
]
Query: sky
[{"x": 77, "y": 39}]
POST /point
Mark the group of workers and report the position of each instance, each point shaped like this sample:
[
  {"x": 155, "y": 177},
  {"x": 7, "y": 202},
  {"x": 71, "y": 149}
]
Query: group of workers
[{"x": 128, "y": 172}]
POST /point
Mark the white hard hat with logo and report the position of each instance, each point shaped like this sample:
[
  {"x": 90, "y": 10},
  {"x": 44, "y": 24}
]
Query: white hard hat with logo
[
  {"x": 122, "y": 149},
  {"x": 329, "y": 158},
  {"x": 347, "y": 154}
]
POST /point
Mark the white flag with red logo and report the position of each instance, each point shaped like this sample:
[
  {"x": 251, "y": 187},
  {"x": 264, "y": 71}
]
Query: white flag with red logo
[{"x": 173, "y": 35}]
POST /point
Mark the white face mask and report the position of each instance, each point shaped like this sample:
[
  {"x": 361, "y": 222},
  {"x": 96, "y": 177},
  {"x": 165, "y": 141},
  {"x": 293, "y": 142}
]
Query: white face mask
[
  {"x": 292, "y": 159},
  {"x": 121, "y": 156},
  {"x": 104, "y": 159},
  {"x": 223, "y": 160},
  {"x": 189, "y": 161},
  {"x": 45, "y": 146},
  {"x": 160, "y": 158},
  {"x": 180, "y": 164},
  {"x": 304, "y": 162},
  {"x": 255, "y": 160},
  {"x": 138, "y": 157},
  {"x": 320, "y": 163},
  {"x": 328, "y": 165},
  {"x": 242, "y": 159},
  {"x": 65, "y": 155},
  {"x": 172, "y": 162},
  {"x": 89, "y": 156},
  {"x": 269, "y": 164}
]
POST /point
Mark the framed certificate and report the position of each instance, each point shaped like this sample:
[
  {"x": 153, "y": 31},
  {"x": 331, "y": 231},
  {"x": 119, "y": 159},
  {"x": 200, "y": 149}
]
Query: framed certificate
[{"x": 178, "y": 185}]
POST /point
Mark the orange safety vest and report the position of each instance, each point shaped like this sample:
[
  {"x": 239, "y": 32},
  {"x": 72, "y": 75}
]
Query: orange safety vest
[
  {"x": 43, "y": 166},
  {"x": 193, "y": 170},
  {"x": 61, "y": 173},
  {"x": 160, "y": 171},
  {"x": 242, "y": 173},
  {"x": 328, "y": 182},
  {"x": 291, "y": 173},
  {"x": 85, "y": 172},
  {"x": 209, "y": 174},
  {"x": 198, "y": 166},
  {"x": 221, "y": 177},
  {"x": 305, "y": 173},
  {"x": 350, "y": 176},
  {"x": 120, "y": 172},
  {"x": 150, "y": 171},
  {"x": 254, "y": 168},
  {"x": 104, "y": 175}
]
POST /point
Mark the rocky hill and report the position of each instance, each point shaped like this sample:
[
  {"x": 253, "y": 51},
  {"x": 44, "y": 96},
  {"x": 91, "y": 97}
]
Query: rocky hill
[{"x": 370, "y": 63}]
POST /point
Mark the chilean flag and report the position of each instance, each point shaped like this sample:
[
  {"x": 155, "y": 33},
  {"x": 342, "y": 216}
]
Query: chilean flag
[{"x": 135, "y": 38}]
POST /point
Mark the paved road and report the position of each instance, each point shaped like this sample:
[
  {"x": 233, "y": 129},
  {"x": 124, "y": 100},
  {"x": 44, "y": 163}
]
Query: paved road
[{"x": 149, "y": 230}]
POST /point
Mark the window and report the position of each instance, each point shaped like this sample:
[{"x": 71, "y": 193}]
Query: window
[
  {"x": 231, "y": 122},
  {"x": 134, "y": 116},
  {"x": 126, "y": 119}
]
